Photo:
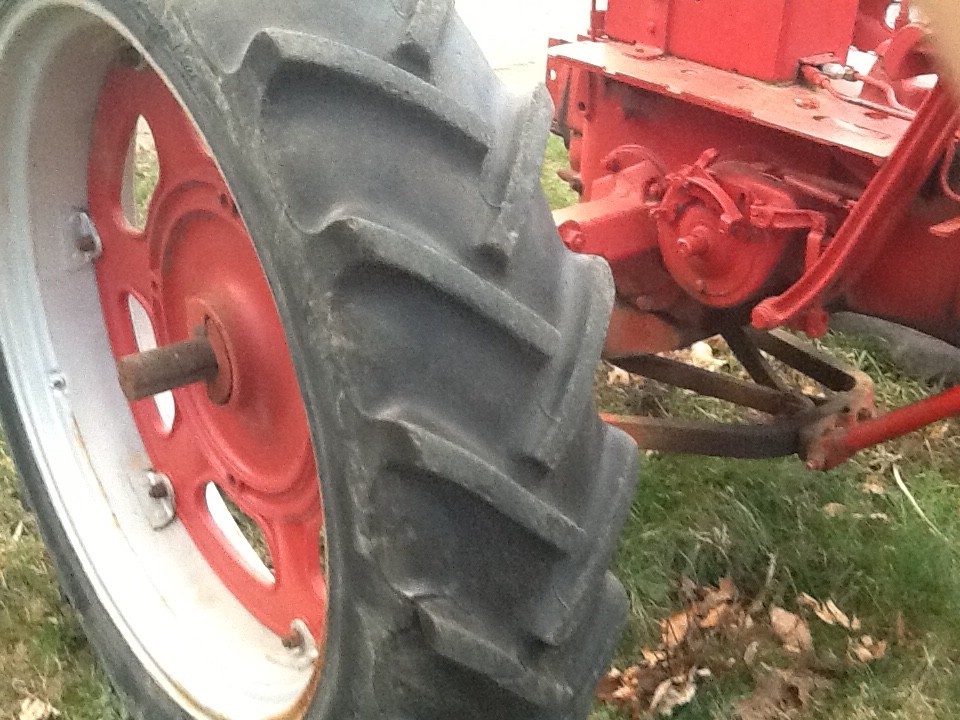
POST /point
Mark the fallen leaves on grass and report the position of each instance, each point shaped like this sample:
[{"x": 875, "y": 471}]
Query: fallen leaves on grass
[
  {"x": 834, "y": 509},
  {"x": 674, "y": 629},
  {"x": 719, "y": 628},
  {"x": 829, "y": 612},
  {"x": 791, "y": 629},
  {"x": 676, "y": 691},
  {"x": 709, "y": 608},
  {"x": 36, "y": 709},
  {"x": 618, "y": 376},
  {"x": 873, "y": 485},
  {"x": 701, "y": 356},
  {"x": 781, "y": 694},
  {"x": 866, "y": 649},
  {"x": 667, "y": 678},
  {"x": 640, "y": 689}
]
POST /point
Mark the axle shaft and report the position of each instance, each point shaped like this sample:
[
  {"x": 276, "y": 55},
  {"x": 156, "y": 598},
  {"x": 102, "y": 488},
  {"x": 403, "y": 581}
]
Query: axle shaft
[{"x": 152, "y": 372}]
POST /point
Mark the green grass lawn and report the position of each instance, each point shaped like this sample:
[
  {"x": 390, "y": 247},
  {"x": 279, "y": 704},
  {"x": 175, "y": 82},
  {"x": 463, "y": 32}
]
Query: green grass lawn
[{"x": 701, "y": 519}]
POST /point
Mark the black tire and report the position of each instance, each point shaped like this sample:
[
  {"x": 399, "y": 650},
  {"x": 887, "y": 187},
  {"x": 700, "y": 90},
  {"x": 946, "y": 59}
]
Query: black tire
[{"x": 445, "y": 343}]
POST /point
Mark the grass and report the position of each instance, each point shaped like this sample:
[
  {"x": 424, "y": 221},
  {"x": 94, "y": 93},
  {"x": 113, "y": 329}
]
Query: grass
[
  {"x": 43, "y": 651},
  {"x": 693, "y": 517}
]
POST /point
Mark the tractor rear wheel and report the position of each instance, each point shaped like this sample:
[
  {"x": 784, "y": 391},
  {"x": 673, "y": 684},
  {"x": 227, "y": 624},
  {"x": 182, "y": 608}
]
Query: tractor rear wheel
[{"x": 347, "y": 220}]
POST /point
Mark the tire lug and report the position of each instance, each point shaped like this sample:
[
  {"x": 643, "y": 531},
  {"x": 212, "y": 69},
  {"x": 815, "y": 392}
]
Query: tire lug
[
  {"x": 84, "y": 235},
  {"x": 162, "y": 508}
]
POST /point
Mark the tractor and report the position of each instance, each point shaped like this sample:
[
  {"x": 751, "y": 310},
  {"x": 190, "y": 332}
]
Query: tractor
[{"x": 344, "y": 320}]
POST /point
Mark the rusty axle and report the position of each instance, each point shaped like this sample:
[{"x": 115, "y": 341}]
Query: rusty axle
[{"x": 152, "y": 372}]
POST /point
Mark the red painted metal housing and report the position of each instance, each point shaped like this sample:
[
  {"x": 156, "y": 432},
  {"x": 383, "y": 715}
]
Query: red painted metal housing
[
  {"x": 734, "y": 169},
  {"x": 760, "y": 39}
]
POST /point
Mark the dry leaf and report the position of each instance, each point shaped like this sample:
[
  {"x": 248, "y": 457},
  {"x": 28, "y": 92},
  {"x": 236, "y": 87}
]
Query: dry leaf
[
  {"x": 618, "y": 376},
  {"x": 834, "y": 509},
  {"x": 780, "y": 694},
  {"x": 608, "y": 685},
  {"x": 630, "y": 689},
  {"x": 701, "y": 356},
  {"x": 838, "y": 615},
  {"x": 750, "y": 654},
  {"x": 673, "y": 693},
  {"x": 36, "y": 709},
  {"x": 653, "y": 658},
  {"x": 901, "y": 629},
  {"x": 873, "y": 485},
  {"x": 673, "y": 630},
  {"x": 855, "y": 624},
  {"x": 792, "y": 630},
  {"x": 714, "y": 618},
  {"x": 726, "y": 590},
  {"x": 866, "y": 649},
  {"x": 826, "y": 611},
  {"x": 879, "y": 516},
  {"x": 17, "y": 533},
  {"x": 808, "y": 601}
]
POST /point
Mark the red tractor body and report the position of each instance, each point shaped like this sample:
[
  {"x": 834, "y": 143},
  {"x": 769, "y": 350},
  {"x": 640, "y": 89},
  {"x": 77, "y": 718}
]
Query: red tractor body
[{"x": 736, "y": 170}]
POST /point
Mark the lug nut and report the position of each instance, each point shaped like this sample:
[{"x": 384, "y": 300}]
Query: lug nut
[
  {"x": 158, "y": 492},
  {"x": 696, "y": 244},
  {"x": 301, "y": 644}
]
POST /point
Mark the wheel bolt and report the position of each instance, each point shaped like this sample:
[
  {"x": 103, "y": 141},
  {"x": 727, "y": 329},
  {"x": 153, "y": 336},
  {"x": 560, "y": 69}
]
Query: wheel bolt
[
  {"x": 158, "y": 492},
  {"x": 301, "y": 643},
  {"x": 155, "y": 371},
  {"x": 696, "y": 244}
]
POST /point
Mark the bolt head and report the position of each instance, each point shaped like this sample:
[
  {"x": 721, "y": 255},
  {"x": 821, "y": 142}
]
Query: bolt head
[
  {"x": 84, "y": 235},
  {"x": 696, "y": 243}
]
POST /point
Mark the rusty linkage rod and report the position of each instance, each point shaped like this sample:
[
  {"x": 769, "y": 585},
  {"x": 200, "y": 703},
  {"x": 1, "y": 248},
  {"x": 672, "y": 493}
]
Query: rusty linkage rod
[{"x": 795, "y": 423}]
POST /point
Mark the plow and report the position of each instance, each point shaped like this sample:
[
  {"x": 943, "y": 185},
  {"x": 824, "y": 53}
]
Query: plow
[{"x": 307, "y": 424}]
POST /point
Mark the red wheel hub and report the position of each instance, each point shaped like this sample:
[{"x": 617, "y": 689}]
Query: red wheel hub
[{"x": 194, "y": 267}]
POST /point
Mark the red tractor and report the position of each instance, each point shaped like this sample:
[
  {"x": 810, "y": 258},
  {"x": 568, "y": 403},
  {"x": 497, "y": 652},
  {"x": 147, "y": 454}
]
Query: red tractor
[
  {"x": 740, "y": 176},
  {"x": 352, "y": 466}
]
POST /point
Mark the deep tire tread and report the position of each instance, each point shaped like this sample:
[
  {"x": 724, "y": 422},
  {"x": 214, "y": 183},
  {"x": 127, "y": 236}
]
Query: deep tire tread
[
  {"x": 422, "y": 35},
  {"x": 556, "y": 614},
  {"x": 568, "y": 386},
  {"x": 427, "y": 451},
  {"x": 456, "y": 636},
  {"x": 524, "y": 141},
  {"x": 374, "y": 243},
  {"x": 273, "y": 50}
]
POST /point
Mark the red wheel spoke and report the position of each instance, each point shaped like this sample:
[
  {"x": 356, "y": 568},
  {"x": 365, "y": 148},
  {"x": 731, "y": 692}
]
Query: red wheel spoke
[
  {"x": 124, "y": 267},
  {"x": 299, "y": 567}
]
